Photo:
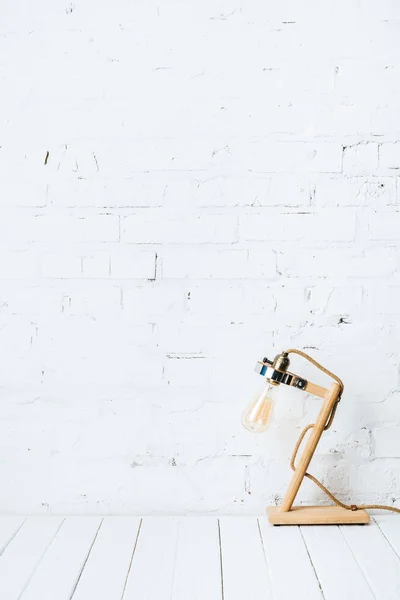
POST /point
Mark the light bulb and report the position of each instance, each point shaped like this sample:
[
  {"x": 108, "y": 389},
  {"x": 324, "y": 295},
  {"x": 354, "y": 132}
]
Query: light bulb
[{"x": 258, "y": 413}]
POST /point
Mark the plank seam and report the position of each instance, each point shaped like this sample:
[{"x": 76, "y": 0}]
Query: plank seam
[
  {"x": 175, "y": 560},
  {"x": 357, "y": 562},
  {"x": 40, "y": 560},
  {"x": 386, "y": 538},
  {"x": 86, "y": 559},
  {"x": 13, "y": 536},
  {"x": 220, "y": 561},
  {"x": 265, "y": 558},
  {"x": 312, "y": 564},
  {"x": 131, "y": 561}
]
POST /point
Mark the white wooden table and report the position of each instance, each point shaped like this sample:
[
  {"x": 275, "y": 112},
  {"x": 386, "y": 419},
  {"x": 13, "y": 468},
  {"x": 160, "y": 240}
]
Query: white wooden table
[{"x": 197, "y": 558}]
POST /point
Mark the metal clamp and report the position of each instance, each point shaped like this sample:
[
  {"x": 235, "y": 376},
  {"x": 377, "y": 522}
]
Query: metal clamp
[{"x": 276, "y": 377}]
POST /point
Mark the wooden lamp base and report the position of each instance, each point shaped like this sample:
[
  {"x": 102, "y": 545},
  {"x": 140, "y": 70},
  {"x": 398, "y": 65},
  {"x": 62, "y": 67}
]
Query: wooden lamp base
[{"x": 316, "y": 515}]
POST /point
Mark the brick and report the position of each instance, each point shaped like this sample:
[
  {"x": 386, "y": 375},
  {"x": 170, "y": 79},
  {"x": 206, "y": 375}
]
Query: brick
[
  {"x": 18, "y": 263},
  {"x": 214, "y": 264},
  {"x": 16, "y": 340},
  {"x": 153, "y": 301},
  {"x": 62, "y": 265},
  {"x": 186, "y": 369},
  {"x": 21, "y": 163},
  {"x": 75, "y": 264},
  {"x": 216, "y": 300},
  {"x": 145, "y": 229},
  {"x": 23, "y": 194},
  {"x": 141, "y": 190},
  {"x": 389, "y": 158},
  {"x": 91, "y": 301},
  {"x": 87, "y": 336},
  {"x": 288, "y": 157},
  {"x": 287, "y": 191},
  {"x": 386, "y": 441},
  {"x": 280, "y": 301},
  {"x": 323, "y": 226},
  {"x": 224, "y": 191},
  {"x": 355, "y": 191},
  {"x": 32, "y": 299},
  {"x": 56, "y": 228},
  {"x": 361, "y": 159},
  {"x": 96, "y": 264},
  {"x": 128, "y": 263},
  {"x": 338, "y": 300},
  {"x": 385, "y": 300},
  {"x": 384, "y": 226},
  {"x": 124, "y": 159},
  {"x": 338, "y": 262}
]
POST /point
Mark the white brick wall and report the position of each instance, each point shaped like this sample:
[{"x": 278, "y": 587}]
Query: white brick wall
[{"x": 186, "y": 187}]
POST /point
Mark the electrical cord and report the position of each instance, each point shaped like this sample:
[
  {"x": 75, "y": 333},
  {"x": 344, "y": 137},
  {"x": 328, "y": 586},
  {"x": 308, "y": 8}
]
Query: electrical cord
[{"x": 328, "y": 424}]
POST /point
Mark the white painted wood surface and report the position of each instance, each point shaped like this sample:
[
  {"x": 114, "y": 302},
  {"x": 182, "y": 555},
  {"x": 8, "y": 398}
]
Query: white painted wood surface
[
  {"x": 198, "y": 568},
  {"x": 337, "y": 568},
  {"x": 59, "y": 571},
  {"x": 9, "y": 527},
  {"x": 381, "y": 567},
  {"x": 23, "y": 554},
  {"x": 244, "y": 567},
  {"x": 151, "y": 574},
  {"x": 106, "y": 570},
  {"x": 391, "y": 530},
  {"x": 288, "y": 560},
  {"x": 196, "y": 558}
]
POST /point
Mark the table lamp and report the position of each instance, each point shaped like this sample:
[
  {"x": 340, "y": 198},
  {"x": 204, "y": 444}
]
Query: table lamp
[{"x": 257, "y": 417}]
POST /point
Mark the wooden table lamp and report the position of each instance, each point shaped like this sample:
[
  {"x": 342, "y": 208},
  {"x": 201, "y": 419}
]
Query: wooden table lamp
[{"x": 256, "y": 418}]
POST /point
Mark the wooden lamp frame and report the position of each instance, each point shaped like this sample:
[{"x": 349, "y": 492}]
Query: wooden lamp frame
[{"x": 286, "y": 513}]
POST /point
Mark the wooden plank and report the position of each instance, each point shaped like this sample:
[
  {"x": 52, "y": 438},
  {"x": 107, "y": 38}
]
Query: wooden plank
[
  {"x": 286, "y": 553},
  {"x": 106, "y": 570},
  {"x": 390, "y": 527},
  {"x": 9, "y": 527},
  {"x": 151, "y": 574},
  {"x": 378, "y": 561},
  {"x": 23, "y": 554},
  {"x": 198, "y": 566},
  {"x": 244, "y": 568},
  {"x": 336, "y": 568},
  {"x": 58, "y": 572}
]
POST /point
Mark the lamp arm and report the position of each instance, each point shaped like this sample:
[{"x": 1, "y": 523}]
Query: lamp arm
[
  {"x": 320, "y": 367},
  {"x": 324, "y": 421}
]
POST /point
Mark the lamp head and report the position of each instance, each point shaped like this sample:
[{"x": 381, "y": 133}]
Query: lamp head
[{"x": 258, "y": 414}]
